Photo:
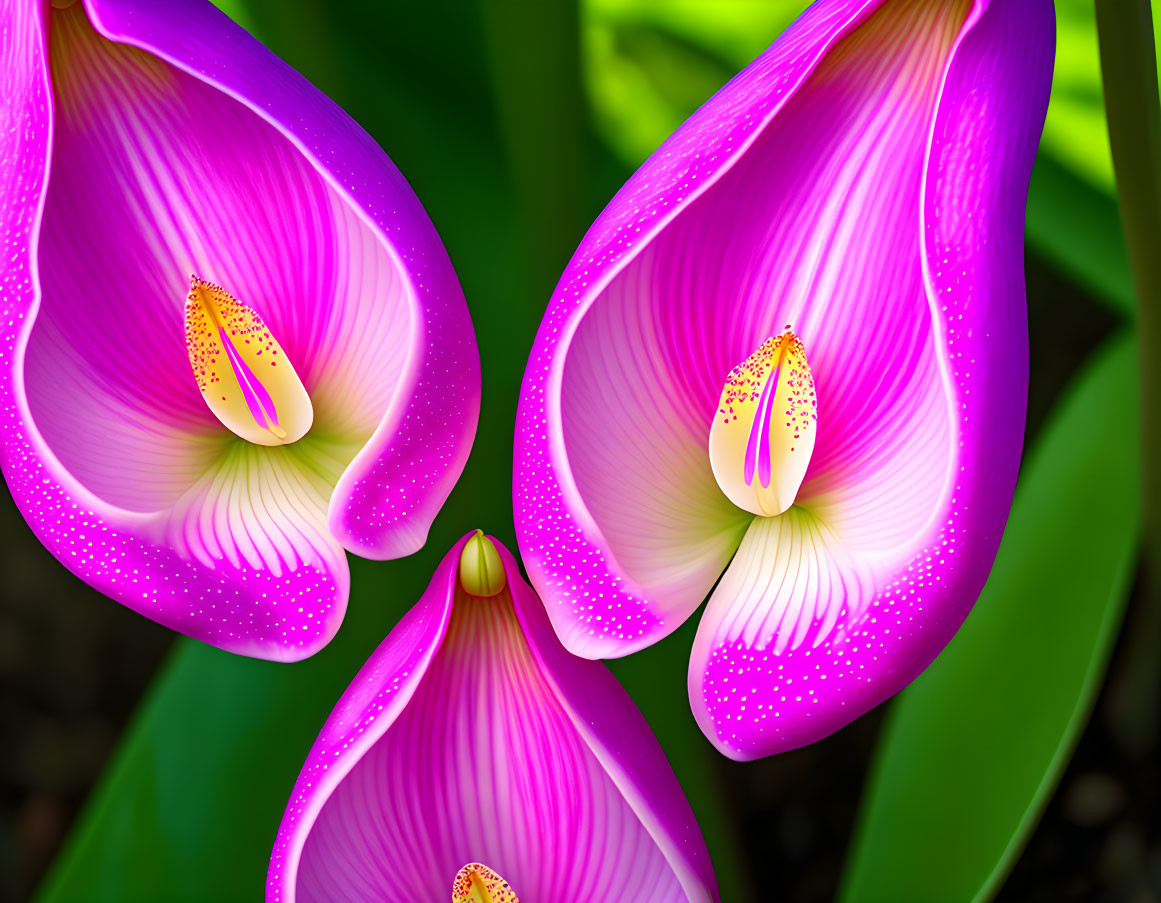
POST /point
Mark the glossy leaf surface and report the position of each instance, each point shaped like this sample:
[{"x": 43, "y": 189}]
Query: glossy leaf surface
[{"x": 972, "y": 750}]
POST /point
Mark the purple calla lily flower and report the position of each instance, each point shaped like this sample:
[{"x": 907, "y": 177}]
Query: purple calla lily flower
[
  {"x": 472, "y": 736},
  {"x": 790, "y": 358},
  {"x": 204, "y": 449}
]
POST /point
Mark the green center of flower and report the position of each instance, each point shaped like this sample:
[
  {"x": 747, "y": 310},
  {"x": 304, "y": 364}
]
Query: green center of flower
[
  {"x": 481, "y": 570},
  {"x": 763, "y": 432},
  {"x": 244, "y": 375}
]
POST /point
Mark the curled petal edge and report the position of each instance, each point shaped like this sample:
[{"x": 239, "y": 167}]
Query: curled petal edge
[
  {"x": 973, "y": 266},
  {"x": 385, "y": 501},
  {"x": 599, "y": 709},
  {"x": 598, "y": 610}
]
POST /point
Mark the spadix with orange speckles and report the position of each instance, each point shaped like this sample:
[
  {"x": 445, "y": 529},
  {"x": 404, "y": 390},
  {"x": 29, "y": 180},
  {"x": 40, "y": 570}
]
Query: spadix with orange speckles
[
  {"x": 763, "y": 432},
  {"x": 244, "y": 375},
  {"x": 476, "y": 883}
]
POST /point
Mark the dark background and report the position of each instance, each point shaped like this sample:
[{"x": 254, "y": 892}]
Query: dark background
[{"x": 486, "y": 108}]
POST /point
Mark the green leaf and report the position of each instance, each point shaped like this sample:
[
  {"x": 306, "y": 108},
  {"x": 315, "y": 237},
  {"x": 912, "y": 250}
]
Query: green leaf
[
  {"x": 972, "y": 751},
  {"x": 1078, "y": 229},
  {"x": 1075, "y": 132},
  {"x": 188, "y": 809},
  {"x": 650, "y": 63}
]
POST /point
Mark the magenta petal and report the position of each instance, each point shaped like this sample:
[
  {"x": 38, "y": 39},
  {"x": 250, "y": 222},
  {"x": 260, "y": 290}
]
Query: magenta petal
[
  {"x": 752, "y": 700},
  {"x": 625, "y": 536},
  {"x": 864, "y": 181},
  {"x": 385, "y": 501},
  {"x": 472, "y": 735},
  {"x": 186, "y": 147}
]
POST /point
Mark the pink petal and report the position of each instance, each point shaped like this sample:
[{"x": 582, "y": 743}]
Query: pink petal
[
  {"x": 854, "y": 183},
  {"x": 620, "y": 738},
  {"x": 471, "y": 735},
  {"x": 384, "y": 502},
  {"x": 143, "y": 192},
  {"x": 641, "y": 481},
  {"x": 621, "y": 524},
  {"x": 187, "y": 147},
  {"x": 260, "y": 510},
  {"x": 826, "y": 614}
]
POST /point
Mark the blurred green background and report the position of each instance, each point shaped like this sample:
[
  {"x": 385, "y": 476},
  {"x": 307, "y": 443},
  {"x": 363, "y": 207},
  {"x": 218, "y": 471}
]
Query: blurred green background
[{"x": 139, "y": 767}]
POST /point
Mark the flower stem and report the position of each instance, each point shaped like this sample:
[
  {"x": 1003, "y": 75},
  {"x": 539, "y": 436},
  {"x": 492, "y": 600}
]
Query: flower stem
[{"x": 1129, "y": 73}]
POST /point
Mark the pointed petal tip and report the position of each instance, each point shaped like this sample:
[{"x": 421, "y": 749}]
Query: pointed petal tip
[
  {"x": 597, "y": 646},
  {"x": 743, "y": 739},
  {"x": 404, "y": 539}
]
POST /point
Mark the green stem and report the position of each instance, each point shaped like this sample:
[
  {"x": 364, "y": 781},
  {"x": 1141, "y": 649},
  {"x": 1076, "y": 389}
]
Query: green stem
[{"x": 1129, "y": 73}]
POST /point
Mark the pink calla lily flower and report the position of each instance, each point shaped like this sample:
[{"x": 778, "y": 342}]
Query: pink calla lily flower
[
  {"x": 790, "y": 359},
  {"x": 204, "y": 449},
  {"x": 472, "y": 736}
]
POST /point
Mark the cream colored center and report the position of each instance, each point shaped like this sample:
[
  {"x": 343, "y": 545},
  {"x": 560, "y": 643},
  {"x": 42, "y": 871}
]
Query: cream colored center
[
  {"x": 763, "y": 432},
  {"x": 244, "y": 376}
]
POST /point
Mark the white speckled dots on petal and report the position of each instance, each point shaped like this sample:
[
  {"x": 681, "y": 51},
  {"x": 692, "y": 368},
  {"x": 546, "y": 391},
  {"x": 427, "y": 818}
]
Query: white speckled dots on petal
[
  {"x": 861, "y": 184},
  {"x": 472, "y": 735},
  {"x": 181, "y": 146}
]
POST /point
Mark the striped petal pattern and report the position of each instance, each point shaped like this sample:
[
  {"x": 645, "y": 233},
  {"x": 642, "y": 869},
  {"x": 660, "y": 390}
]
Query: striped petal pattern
[
  {"x": 471, "y": 735},
  {"x": 861, "y": 184},
  {"x": 181, "y": 146},
  {"x": 476, "y": 883}
]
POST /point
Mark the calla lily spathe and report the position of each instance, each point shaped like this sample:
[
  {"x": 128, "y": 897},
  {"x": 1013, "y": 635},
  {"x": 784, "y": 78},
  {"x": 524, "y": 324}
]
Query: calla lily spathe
[
  {"x": 472, "y": 736},
  {"x": 792, "y": 354},
  {"x": 233, "y": 344}
]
